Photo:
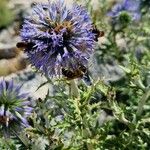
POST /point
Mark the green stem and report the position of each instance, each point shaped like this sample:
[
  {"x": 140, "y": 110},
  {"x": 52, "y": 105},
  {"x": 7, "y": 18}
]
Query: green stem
[
  {"x": 6, "y": 142},
  {"x": 74, "y": 91},
  {"x": 142, "y": 102},
  {"x": 89, "y": 146},
  {"x": 22, "y": 138}
]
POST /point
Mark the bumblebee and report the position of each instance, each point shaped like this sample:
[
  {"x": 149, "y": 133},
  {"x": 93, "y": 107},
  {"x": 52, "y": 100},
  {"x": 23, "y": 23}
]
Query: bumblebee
[
  {"x": 27, "y": 46},
  {"x": 97, "y": 33},
  {"x": 78, "y": 73}
]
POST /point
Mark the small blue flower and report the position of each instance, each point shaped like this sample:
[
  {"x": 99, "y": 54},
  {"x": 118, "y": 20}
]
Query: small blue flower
[
  {"x": 14, "y": 108},
  {"x": 132, "y": 7},
  {"x": 61, "y": 36}
]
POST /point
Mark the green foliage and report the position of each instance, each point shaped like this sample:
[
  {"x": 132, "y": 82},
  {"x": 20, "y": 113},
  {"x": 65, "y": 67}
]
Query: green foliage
[
  {"x": 112, "y": 113},
  {"x": 6, "y": 15}
]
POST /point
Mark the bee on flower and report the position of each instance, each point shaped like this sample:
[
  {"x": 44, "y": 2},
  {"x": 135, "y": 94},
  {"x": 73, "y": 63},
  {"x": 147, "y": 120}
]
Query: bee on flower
[{"x": 58, "y": 38}]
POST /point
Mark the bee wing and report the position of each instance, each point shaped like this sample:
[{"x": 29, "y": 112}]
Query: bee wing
[
  {"x": 87, "y": 79},
  {"x": 93, "y": 67}
]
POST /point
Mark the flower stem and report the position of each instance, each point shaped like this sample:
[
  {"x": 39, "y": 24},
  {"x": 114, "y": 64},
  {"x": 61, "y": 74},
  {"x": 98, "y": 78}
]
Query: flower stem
[
  {"x": 74, "y": 91},
  {"x": 89, "y": 146},
  {"x": 142, "y": 102}
]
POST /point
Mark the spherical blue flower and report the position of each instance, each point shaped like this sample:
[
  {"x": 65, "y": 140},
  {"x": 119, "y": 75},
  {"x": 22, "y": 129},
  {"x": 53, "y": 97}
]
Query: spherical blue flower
[
  {"x": 14, "y": 108},
  {"x": 132, "y": 7},
  {"x": 60, "y": 37}
]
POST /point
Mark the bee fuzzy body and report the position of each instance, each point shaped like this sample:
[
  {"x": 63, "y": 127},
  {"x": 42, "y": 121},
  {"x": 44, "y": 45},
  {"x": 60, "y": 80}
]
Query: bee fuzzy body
[
  {"x": 97, "y": 33},
  {"x": 26, "y": 46}
]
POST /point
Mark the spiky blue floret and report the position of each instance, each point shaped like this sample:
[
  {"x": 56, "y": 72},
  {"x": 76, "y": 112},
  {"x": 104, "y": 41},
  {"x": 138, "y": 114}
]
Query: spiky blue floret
[
  {"x": 130, "y": 6},
  {"x": 62, "y": 37},
  {"x": 14, "y": 107}
]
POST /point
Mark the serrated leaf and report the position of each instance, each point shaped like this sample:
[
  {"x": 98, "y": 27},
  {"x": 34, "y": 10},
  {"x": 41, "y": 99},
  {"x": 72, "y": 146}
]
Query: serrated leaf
[{"x": 127, "y": 70}]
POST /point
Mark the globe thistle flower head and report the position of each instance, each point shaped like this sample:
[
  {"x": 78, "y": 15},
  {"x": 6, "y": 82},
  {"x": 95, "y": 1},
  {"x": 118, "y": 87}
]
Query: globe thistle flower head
[
  {"x": 61, "y": 37},
  {"x": 130, "y": 7},
  {"x": 14, "y": 107}
]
